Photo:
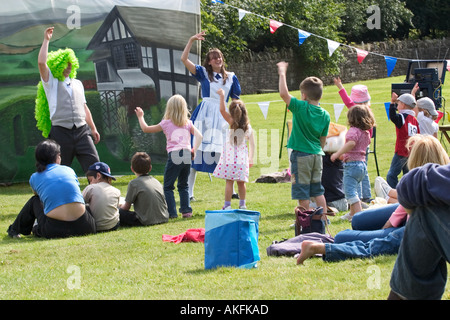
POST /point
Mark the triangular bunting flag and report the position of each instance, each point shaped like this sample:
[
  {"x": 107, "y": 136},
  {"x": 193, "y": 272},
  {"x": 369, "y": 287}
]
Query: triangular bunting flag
[
  {"x": 390, "y": 64},
  {"x": 242, "y": 13},
  {"x": 387, "y": 106},
  {"x": 440, "y": 115},
  {"x": 274, "y": 25},
  {"x": 264, "y": 106},
  {"x": 338, "y": 107},
  {"x": 332, "y": 46},
  {"x": 361, "y": 54},
  {"x": 302, "y": 35}
]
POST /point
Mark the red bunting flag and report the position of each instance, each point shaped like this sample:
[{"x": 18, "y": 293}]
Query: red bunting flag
[
  {"x": 274, "y": 25},
  {"x": 361, "y": 54}
]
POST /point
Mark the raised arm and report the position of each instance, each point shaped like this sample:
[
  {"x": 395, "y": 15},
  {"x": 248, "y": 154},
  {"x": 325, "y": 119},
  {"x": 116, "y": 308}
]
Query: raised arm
[
  {"x": 223, "y": 110},
  {"x": 146, "y": 128},
  {"x": 185, "y": 55},
  {"x": 43, "y": 53},
  {"x": 282, "y": 84}
]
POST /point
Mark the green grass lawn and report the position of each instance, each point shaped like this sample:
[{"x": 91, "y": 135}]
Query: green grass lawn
[{"x": 134, "y": 263}]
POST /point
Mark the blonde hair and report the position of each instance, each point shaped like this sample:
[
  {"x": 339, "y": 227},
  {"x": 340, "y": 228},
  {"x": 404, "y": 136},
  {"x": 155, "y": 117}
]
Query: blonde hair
[
  {"x": 425, "y": 149},
  {"x": 177, "y": 111},
  {"x": 427, "y": 114},
  {"x": 240, "y": 124}
]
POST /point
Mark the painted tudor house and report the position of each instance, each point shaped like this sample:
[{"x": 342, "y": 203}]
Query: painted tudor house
[{"x": 136, "y": 53}]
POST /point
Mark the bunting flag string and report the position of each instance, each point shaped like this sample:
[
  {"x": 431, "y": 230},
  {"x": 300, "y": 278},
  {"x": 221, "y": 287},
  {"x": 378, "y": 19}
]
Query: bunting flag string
[
  {"x": 337, "y": 107},
  {"x": 332, "y": 45}
]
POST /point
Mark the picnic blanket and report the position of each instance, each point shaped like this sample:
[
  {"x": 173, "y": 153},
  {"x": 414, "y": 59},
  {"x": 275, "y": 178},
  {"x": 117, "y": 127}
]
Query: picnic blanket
[
  {"x": 292, "y": 246},
  {"x": 190, "y": 235}
]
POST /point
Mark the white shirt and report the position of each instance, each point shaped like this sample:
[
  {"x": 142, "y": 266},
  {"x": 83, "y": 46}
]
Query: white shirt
[
  {"x": 51, "y": 90},
  {"x": 427, "y": 125}
]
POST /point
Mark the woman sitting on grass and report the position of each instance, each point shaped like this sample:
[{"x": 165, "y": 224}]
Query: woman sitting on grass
[{"x": 58, "y": 206}]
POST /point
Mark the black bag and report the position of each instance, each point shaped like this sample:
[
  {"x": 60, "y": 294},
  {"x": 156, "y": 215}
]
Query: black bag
[{"x": 307, "y": 221}]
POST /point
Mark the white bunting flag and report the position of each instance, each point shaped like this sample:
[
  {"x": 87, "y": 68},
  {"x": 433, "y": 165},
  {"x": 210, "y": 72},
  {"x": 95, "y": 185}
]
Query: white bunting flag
[
  {"x": 332, "y": 46},
  {"x": 338, "y": 107},
  {"x": 264, "y": 106},
  {"x": 242, "y": 13}
]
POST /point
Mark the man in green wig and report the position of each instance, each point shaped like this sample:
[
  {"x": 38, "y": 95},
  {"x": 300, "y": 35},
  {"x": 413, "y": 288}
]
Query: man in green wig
[{"x": 61, "y": 110}]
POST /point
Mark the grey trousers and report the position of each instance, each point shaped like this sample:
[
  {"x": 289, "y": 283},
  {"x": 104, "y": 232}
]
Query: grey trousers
[{"x": 75, "y": 142}]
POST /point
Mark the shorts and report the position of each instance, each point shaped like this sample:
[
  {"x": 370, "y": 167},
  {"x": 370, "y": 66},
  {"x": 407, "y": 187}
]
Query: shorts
[{"x": 306, "y": 175}]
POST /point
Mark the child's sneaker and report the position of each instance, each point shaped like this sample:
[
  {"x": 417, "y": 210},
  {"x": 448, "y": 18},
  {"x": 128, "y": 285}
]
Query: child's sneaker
[
  {"x": 187, "y": 215},
  {"x": 347, "y": 217},
  {"x": 243, "y": 207},
  {"x": 226, "y": 208}
]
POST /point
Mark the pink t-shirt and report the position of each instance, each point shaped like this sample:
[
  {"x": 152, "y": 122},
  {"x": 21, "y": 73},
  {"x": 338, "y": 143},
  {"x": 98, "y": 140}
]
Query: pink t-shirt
[
  {"x": 362, "y": 139},
  {"x": 398, "y": 216},
  {"x": 177, "y": 137}
]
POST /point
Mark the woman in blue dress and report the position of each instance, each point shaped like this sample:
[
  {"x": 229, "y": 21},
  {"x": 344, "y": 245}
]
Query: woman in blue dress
[{"x": 207, "y": 117}]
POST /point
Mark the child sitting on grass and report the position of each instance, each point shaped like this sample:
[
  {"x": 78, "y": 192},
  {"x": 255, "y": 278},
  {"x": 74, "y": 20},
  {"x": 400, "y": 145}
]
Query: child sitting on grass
[
  {"x": 146, "y": 194},
  {"x": 101, "y": 198}
]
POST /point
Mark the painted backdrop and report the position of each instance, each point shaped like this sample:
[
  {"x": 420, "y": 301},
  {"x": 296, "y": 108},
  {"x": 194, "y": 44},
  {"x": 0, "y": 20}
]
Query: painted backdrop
[{"x": 129, "y": 53}]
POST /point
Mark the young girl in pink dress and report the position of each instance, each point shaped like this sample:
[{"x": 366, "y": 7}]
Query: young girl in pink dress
[{"x": 236, "y": 158}]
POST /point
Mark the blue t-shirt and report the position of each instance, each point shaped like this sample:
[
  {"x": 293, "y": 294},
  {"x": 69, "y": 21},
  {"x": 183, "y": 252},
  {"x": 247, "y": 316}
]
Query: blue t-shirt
[{"x": 55, "y": 186}]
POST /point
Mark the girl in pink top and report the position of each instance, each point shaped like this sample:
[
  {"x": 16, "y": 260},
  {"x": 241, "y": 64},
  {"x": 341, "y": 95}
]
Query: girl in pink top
[
  {"x": 359, "y": 96},
  {"x": 357, "y": 139},
  {"x": 178, "y": 129}
]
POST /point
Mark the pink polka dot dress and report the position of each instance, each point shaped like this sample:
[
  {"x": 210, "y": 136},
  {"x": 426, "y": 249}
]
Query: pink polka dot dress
[{"x": 233, "y": 163}]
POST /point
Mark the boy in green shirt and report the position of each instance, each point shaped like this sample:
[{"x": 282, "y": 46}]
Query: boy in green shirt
[{"x": 310, "y": 124}]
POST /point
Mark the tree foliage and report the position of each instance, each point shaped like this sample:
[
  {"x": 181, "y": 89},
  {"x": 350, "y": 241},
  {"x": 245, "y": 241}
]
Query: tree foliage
[
  {"x": 430, "y": 17},
  {"x": 319, "y": 17},
  {"x": 395, "y": 20}
]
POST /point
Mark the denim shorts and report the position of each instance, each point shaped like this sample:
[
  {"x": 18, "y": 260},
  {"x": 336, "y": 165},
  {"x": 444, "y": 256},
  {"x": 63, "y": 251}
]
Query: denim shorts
[
  {"x": 306, "y": 170},
  {"x": 354, "y": 173}
]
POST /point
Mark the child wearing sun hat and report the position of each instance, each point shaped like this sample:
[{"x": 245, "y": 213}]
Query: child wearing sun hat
[{"x": 359, "y": 96}]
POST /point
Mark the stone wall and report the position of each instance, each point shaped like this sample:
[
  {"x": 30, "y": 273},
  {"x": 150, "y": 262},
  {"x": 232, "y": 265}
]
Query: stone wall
[{"x": 257, "y": 72}]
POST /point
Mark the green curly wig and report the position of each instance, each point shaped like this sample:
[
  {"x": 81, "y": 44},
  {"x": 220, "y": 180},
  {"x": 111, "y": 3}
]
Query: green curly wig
[{"x": 57, "y": 62}]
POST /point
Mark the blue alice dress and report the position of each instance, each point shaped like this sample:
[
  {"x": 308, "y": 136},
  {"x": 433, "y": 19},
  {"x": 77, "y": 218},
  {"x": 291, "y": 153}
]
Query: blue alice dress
[{"x": 208, "y": 119}]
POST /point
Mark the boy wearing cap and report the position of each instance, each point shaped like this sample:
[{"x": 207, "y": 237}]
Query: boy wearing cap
[
  {"x": 406, "y": 125},
  {"x": 427, "y": 116},
  {"x": 102, "y": 199}
]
